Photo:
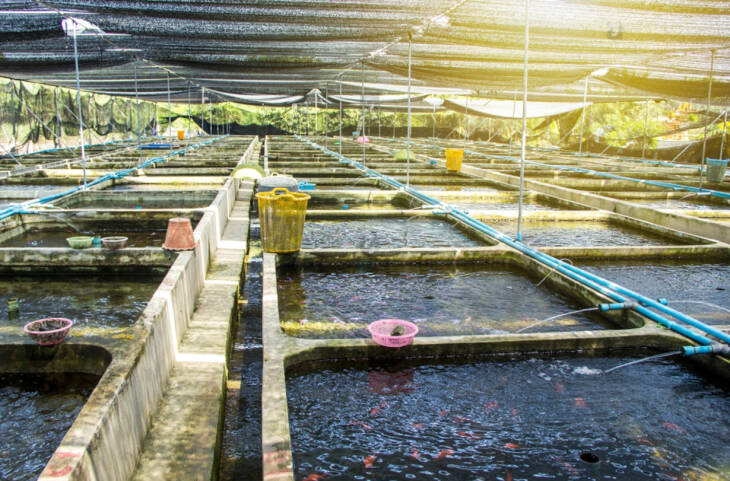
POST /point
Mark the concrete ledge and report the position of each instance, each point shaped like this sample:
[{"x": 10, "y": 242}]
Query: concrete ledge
[
  {"x": 133, "y": 258},
  {"x": 106, "y": 439}
]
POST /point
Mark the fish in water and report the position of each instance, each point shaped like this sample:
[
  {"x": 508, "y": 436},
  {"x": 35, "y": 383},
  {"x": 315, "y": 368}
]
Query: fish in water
[
  {"x": 514, "y": 412},
  {"x": 398, "y": 331},
  {"x": 579, "y": 403},
  {"x": 418, "y": 426},
  {"x": 415, "y": 454},
  {"x": 468, "y": 435},
  {"x": 369, "y": 461},
  {"x": 491, "y": 405},
  {"x": 507, "y": 475},
  {"x": 462, "y": 419},
  {"x": 361, "y": 424},
  {"x": 512, "y": 446},
  {"x": 444, "y": 453},
  {"x": 559, "y": 387},
  {"x": 315, "y": 477},
  {"x": 443, "y": 413},
  {"x": 673, "y": 427}
]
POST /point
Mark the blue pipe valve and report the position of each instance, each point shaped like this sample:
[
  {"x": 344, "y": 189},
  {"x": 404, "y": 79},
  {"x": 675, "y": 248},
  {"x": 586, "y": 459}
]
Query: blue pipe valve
[
  {"x": 715, "y": 348},
  {"x": 618, "y": 305}
]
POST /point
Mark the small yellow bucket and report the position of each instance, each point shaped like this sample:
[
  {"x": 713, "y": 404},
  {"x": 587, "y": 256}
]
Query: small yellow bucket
[
  {"x": 453, "y": 159},
  {"x": 281, "y": 215},
  {"x": 180, "y": 135}
]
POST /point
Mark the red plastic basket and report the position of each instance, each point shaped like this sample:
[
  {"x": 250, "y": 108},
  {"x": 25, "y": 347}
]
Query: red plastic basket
[
  {"x": 381, "y": 332},
  {"x": 48, "y": 331}
]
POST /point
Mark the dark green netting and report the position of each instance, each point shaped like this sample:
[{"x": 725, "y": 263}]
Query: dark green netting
[
  {"x": 660, "y": 48},
  {"x": 36, "y": 117}
]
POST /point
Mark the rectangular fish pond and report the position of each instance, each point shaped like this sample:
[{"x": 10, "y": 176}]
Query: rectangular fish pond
[
  {"x": 564, "y": 233},
  {"x": 443, "y": 300},
  {"x": 51, "y": 229},
  {"x": 416, "y": 231},
  {"x": 145, "y": 200},
  {"x": 510, "y": 418},
  {"x": 91, "y": 301},
  {"x": 37, "y": 410},
  {"x": 699, "y": 289},
  {"x": 511, "y": 202}
]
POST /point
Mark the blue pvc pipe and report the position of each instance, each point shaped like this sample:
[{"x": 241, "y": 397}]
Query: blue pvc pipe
[
  {"x": 22, "y": 208},
  {"x": 609, "y": 289}
]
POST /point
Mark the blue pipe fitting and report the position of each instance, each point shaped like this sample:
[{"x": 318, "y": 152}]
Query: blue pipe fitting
[
  {"x": 617, "y": 306},
  {"x": 715, "y": 348},
  {"x": 662, "y": 301}
]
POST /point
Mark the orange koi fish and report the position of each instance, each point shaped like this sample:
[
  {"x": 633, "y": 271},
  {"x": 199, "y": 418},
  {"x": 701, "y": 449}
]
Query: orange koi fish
[
  {"x": 361, "y": 424},
  {"x": 468, "y": 435},
  {"x": 491, "y": 405},
  {"x": 579, "y": 403},
  {"x": 673, "y": 427},
  {"x": 369, "y": 461},
  {"x": 512, "y": 446},
  {"x": 444, "y": 453},
  {"x": 415, "y": 454},
  {"x": 507, "y": 475},
  {"x": 418, "y": 426},
  {"x": 314, "y": 477}
]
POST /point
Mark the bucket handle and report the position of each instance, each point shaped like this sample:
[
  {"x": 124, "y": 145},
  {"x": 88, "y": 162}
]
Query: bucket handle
[{"x": 280, "y": 191}]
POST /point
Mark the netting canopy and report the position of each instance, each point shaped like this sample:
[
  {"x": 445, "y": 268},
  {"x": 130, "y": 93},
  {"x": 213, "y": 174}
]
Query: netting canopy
[{"x": 285, "y": 49}]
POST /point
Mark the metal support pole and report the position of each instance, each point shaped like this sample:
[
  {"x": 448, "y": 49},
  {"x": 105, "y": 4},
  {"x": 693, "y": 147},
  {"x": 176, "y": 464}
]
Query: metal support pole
[
  {"x": 78, "y": 98},
  {"x": 722, "y": 139},
  {"x": 59, "y": 124},
  {"x": 316, "y": 112},
  {"x": 136, "y": 102},
  {"x": 362, "y": 103},
  {"x": 12, "y": 106},
  {"x": 514, "y": 108},
  {"x": 379, "y": 126},
  {"x": 307, "y": 123},
  {"x": 433, "y": 122},
  {"x": 169, "y": 112},
  {"x": 646, "y": 130},
  {"x": 707, "y": 116},
  {"x": 583, "y": 116},
  {"x": 326, "y": 115},
  {"x": 524, "y": 119},
  {"x": 408, "y": 144},
  {"x": 340, "y": 149},
  {"x": 189, "y": 105},
  {"x": 466, "y": 121}
]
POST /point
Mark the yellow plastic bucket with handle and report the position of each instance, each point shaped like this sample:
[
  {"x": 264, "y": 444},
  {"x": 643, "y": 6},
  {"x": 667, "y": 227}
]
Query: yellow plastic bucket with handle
[
  {"x": 453, "y": 159},
  {"x": 180, "y": 135},
  {"x": 281, "y": 216}
]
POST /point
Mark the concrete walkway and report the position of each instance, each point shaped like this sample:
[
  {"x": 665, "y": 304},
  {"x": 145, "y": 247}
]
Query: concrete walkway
[{"x": 184, "y": 438}]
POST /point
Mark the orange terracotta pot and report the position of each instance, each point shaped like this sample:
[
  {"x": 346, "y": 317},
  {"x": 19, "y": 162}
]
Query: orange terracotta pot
[{"x": 179, "y": 236}]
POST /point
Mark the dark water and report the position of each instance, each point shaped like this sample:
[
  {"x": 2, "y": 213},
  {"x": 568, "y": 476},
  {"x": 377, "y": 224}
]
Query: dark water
[
  {"x": 674, "y": 280},
  {"x": 57, "y": 237},
  {"x": 516, "y": 419},
  {"x": 181, "y": 186},
  {"x": 458, "y": 188},
  {"x": 581, "y": 234},
  {"x": 35, "y": 413},
  {"x": 384, "y": 233},
  {"x": 182, "y": 202},
  {"x": 91, "y": 301},
  {"x": 440, "y": 299}
]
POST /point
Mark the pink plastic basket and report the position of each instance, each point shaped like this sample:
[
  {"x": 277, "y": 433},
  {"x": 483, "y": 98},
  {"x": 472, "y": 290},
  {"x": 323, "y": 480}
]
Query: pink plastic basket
[
  {"x": 380, "y": 331},
  {"x": 49, "y": 331}
]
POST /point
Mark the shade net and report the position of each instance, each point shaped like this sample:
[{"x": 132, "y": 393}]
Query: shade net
[
  {"x": 660, "y": 48},
  {"x": 37, "y": 117}
]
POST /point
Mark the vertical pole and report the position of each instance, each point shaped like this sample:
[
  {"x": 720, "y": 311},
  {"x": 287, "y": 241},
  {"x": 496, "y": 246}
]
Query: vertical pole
[
  {"x": 379, "y": 122},
  {"x": 189, "y": 120},
  {"x": 12, "y": 106},
  {"x": 316, "y": 112},
  {"x": 707, "y": 116},
  {"x": 59, "y": 125},
  {"x": 136, "y": 100},
  {"x": 362, "y": 103},
  {"x": 466, "y": 121},
  {"x": 583, "y": 116},
  {"x": 169, "y": 112},
  {"x": 514, "y": 109},
  {"x": 307, "y": 122},
  {"x": 78, "y": 98},
  {"x": 408, "y": 143},
  {"x": 722, "y": 140},
  {"x": 433, "y": 122},
  {"x": 646, "y": 130},
  {"x": 326, "y": 115},
  {"x": 210, "y": 115},
  {"x": 340, "y": 81},
  {"x": 524, "y": 118}
]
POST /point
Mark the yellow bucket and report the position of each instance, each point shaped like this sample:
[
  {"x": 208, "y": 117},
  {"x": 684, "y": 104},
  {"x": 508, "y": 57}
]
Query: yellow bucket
[
  {"x": 281, "y": 215},
  {"x": 453, "y": 159},
  {"x": 180, "y": 135}
]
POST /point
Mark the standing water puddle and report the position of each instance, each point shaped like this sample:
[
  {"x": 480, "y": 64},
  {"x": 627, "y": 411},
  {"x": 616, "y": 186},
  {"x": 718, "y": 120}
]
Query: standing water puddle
[
  {"x": 441, "y": 300},
  {"x": 384, "y": 233},
  {"x": 37, "y": 410},
  {"x": 57, "y": 237},
  {"x": 89, "y": 301},
  {"x": 515, "y": 419},
  {"x": 581, "y": 234},
  {"x": 678, "y": 281}
]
